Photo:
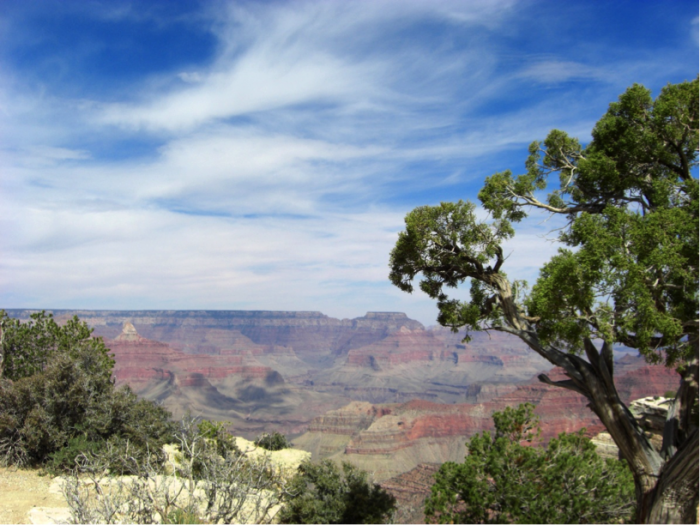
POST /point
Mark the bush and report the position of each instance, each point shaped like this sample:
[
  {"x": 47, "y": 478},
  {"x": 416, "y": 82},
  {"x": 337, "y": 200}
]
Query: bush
[
  {"x": 27, "y": 347},
  {"x": 322, "y": 493},
  {"x": 63, "y": 460},
  {"x": 216, "y": 433},
  {"x": 274, "y": 441},
  {"x": 503, "y": 481},
  {"x": 42, "y": 412},
  {"x": 68, "y": 403}
]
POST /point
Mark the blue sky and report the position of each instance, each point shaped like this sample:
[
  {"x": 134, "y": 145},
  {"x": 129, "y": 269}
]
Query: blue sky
[{"x": 262, "y": 155}]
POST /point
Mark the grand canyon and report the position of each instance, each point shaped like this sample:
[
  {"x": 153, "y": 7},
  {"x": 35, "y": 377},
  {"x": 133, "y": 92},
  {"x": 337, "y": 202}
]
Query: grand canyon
[{"x": 380, "y": 391}]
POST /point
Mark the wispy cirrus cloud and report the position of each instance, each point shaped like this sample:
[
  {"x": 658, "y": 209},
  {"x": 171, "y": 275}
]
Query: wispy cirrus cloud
[
  {"x": 315, "y": 53},
  {"x": 554, "y": 71}
]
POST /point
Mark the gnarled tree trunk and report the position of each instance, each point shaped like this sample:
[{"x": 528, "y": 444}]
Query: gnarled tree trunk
[{"x": 674, "y": 497}]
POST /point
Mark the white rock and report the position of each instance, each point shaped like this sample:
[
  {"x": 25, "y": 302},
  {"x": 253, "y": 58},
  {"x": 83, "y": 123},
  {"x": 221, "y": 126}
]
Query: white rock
[
  {"x": 605, "y": 446},
  {"x": 651, "y": 412}
]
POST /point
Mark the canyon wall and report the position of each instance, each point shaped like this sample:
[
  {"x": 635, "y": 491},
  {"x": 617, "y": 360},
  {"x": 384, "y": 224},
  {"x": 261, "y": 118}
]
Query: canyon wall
[{"x": 307, "y": 333}]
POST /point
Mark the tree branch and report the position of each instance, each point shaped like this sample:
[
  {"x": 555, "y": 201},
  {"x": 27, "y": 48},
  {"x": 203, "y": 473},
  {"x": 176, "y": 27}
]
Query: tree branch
[{"x": 569, "y": 384}]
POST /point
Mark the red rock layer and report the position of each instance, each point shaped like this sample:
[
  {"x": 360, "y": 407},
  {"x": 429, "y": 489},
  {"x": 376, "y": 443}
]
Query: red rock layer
[
  {"x": 349, "y": 419},
  {"x": 416, "y": 420},
  {"x": 140, "y": 360}
]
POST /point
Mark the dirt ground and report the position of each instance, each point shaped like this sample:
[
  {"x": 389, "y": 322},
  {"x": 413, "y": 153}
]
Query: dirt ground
[{"x": 22, "y": 490}]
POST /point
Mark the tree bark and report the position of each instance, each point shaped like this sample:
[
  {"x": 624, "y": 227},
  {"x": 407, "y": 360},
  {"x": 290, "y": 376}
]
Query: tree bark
[
  {"x": 669, "y": 510},
  {"x": 674, "y": 498}
]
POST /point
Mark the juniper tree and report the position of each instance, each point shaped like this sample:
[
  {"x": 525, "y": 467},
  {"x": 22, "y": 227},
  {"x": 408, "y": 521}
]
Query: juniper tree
[{"x": 627, "y": 272}]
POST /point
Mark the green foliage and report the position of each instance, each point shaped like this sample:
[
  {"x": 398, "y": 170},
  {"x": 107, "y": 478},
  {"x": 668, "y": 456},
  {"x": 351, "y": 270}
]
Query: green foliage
[
  {"x": 183, "y": 516},
  {"x": 144, "y": 424},
  {"x": 323, "y": 493},
  {"x": 216, "y": 434},
  {"x": 274, "y": 441},
  {"x": 504, "y": 481},
  {"x": 448, "y": 245},
  {"x": 63, "y": 460},
  {"x": 27, "y": 347},
  {"x": 633, "y": 208},
  {"x": 62, "y": 401}
]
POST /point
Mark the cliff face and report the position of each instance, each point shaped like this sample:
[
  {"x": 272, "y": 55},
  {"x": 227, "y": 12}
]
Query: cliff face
[
  {"x": 410, "y": 490},
  {"x": 434, "y": 365},
  {"x": 232, "y": 385},
  {"x": 410, "y": 422},
  {"x": 139, "y": 360},
  {"x": 349, "y": 420},
  {"x": 380, "y": 357},
  {"x": 415, "y": 346}
]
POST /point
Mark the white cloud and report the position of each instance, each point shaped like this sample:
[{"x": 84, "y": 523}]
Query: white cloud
[
  {"x": 556, "y": 71},
  {"x": 48, "y": 156},
  {"x": 253, "y": 85},
  {"x": 73, "y": 254},
  {"x": 190, "y": 76},
  {"x": 76, "y": 254},
  {"x": 694, "y": 30}
]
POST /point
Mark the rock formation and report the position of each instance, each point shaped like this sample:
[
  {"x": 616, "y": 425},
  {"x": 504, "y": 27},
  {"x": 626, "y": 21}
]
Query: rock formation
[
  {"x": 139, "y": 360},
  {"x": 429, "y": 364},
  {"x": 410, "y": 490},
  {"x": 307, "y": 333},
  {"x": 380, "y": 357}
]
